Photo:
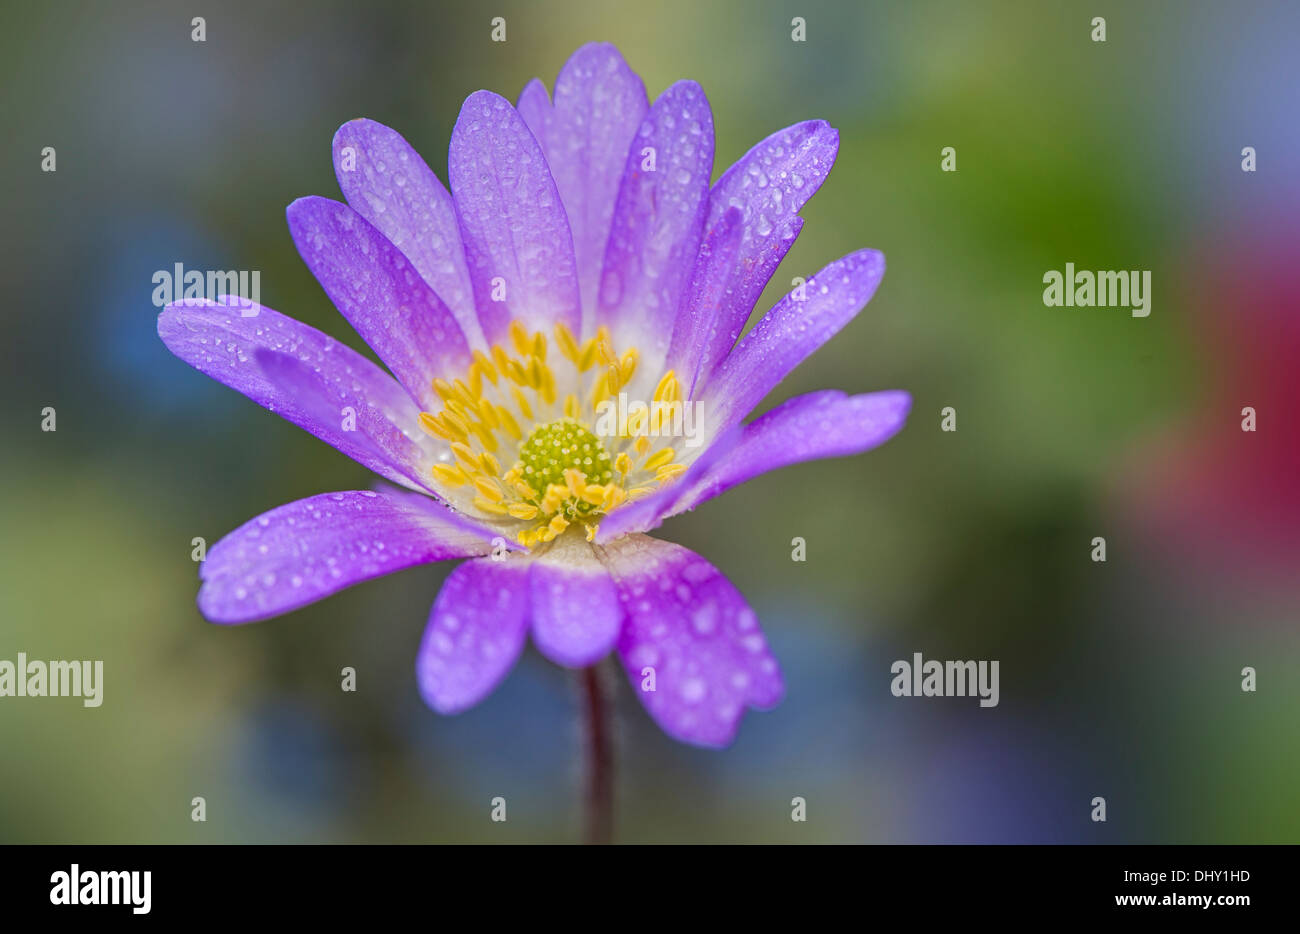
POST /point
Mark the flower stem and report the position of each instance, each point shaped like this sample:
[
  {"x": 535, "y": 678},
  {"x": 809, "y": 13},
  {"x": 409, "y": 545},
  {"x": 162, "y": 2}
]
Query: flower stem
[{"x": 598, "y": 795}]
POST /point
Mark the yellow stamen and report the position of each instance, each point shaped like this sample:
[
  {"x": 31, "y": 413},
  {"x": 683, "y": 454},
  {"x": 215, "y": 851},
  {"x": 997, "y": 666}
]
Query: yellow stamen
[
  {"x": 627, "y": 366},
  {"x": 444, "y": 390},
  {"x": 659, "y": 458},
  {"x": 669, "y": 472},
  {"x": 485, "y": 366},
  {"x": 575, "y": 480},
  {"x": 522, "y": 510},
  {"x": 519, "y": 337},
  {"x": 488, "y": 505},
  {"x": 508, "y": 423},
  {"x": 450, "y": 474},
  {"x": 667, "y": 389},
  {"x": 568, "y": 346},
  {"x": 522, "y": 402}
]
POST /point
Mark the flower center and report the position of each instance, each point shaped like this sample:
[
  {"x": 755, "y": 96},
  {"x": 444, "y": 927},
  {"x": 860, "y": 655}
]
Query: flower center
[
  {"x": 556, "y": 447},
  {"x": 542, "y": 413}
]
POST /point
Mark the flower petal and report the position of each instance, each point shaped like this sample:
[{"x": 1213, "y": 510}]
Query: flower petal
[
  {"x": 698, "y": 323},
  {"x": 300, "y": 552},
  {"x": 475, "y": 633},
  {"x": 217, "y": 338},
  {"x": 798, "y": 325},
  {"x": 576, "y": 612},
  {"x": 387, "y": 183},
  {"x": 379, "y": 290},
  {"x": 512, "y": 220},
  {"x": 599, "y": 103},
  {"x": 769, "y": 184},
  {"x": 534, "y": 106},
  {"x": 690, "y": 629},
  {"x": 808, "y": 427},
  {"x": 658, "y": 222}
]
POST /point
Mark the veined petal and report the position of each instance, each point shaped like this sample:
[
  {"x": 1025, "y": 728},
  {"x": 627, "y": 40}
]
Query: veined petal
[
  {"x": 516, "y": 234},
  {"x": 300, "y": 552},
  {"x": 808, "y": 427},
  {"x": 381, "y": 293},
  {"x": 576, "y": 612},
  {"x": 658, "y": 221},
  {"x": 798, "y": 325},
  {"x": 534, "y": 106},
  {"x": 599, "y": 104},
  {"x": 475, "y": 633},
  {"x": 692, "y": 632},
  {"x": 769, "y": 184},
  {"x": 387, "y": 183},
  {"x": 700, "y": 318},
  {"x": 230, "y": 343}
]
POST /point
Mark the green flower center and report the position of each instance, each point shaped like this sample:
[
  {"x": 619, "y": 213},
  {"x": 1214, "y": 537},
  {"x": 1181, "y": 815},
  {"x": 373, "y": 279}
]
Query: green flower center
[{"x": 554, "y": 447}]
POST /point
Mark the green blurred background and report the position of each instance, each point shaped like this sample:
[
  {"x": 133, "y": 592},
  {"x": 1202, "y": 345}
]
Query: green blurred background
[{"x": 1119, "y": 679}]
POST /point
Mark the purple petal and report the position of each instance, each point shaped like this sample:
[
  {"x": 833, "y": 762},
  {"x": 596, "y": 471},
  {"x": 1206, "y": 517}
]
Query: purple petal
[
  {"x": 658, "y": 222},
  {"x": 475, "y": 633},
  {"x": 769, "y": 184},
  {"x": 789, "y": 333},
  {"x": 300, "y": 552},
  {"x": 512, "y": 220},
  {"x": 367, "y": 437},
  {"x": 599, "y": 103},
  {"x": 381, "y": 293},
  {"x": 576, "y": 612},
  {"x": 217, "y": 339},
  {"x": 387, "y": 183},
  {"x": 534, "y": 107},
  {"x": 809, "y": 427},
  {"x": 699, "y": 319},
  {"x": 690, "y": 629}
]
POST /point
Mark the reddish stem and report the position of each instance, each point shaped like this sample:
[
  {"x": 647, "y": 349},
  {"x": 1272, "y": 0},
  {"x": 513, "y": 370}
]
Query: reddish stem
[{"x": 599, "y": 790}]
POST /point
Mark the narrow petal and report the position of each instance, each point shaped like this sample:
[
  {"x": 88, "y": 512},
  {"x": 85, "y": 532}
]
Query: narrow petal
[
  {"x": 534, "y": 107},
  {"x": 382, "y": 295},
  {"x": 475, "y": 633},
  {"x": 658, "y": 221},
  {"x": 691, "y": 636},
  {"x": 809, "y": 427},
  {"x": 230, "y": 345},
  {"x": 300, "y": 552},
  {"x": 599, "y": 104},
  {"x": 798, "y": 325},
  {"x": 512, "y": 220},
  {"x": 769, "y": 185},
  {"x": 698, "y": 322},
  {"x": 387, "y": 183},
  {"x": 576, "y": 612}
]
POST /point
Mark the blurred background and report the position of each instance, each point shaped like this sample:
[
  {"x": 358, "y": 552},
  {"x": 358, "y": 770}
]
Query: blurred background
[{"x": 1120, "y": 680}]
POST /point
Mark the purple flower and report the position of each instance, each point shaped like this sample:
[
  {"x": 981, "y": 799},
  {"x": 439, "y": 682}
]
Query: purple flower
[{"x": 581, "y": 262}]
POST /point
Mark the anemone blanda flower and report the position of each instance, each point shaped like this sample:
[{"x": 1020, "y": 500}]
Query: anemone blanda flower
[{"x": 580, "y": 253}]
